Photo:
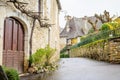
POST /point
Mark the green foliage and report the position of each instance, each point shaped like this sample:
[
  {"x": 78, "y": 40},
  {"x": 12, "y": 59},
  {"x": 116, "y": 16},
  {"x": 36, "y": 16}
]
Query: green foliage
[
  {"x": 12, "y": 74},
  {"x": 88, "y": 50},
  {"x": 105, "y": 27},
  {"x": 105, "y": 34},
  {"x": 94, "y": 37},
  {"x": 30, "y": 60},
  {"x": 64, "y": 49},
  {"x": 83, "y": 37},
  {"x": 110, "y": 26},
  {"x": 38, "y": 56},
  {"x": 87, "y": 36},
  {"x": 115, "y": 24},
  {"x": 94, "y": 43},
  {"x": 49, "y": 53},
  {"x": 64, "y": 55},
  {"x": 42, "y": 56},
  {"x": 91, "y": 31}
]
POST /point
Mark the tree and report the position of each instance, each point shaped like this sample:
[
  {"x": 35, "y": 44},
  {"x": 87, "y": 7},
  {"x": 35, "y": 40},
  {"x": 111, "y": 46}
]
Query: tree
[
  {"x": 105, "y": 17},
  {"x": 93, "y": 24}
]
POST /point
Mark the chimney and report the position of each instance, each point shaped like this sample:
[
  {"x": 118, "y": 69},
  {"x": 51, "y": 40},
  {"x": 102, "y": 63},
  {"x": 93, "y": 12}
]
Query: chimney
[
  {"x": 85, "y": 18},
  {"x": 67, "y": 18}
]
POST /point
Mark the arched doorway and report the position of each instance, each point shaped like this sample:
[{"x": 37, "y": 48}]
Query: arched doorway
[{"x": 13, "y": 46}]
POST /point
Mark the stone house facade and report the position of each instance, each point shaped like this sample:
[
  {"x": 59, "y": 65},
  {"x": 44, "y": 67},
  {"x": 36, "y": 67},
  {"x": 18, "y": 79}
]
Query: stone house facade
[
  {"x": 15, "y": 30},
  {"x": 76, "y": 28}
]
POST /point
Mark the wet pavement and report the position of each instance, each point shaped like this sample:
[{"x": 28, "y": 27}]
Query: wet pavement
[{"x": 81, "y": 69}]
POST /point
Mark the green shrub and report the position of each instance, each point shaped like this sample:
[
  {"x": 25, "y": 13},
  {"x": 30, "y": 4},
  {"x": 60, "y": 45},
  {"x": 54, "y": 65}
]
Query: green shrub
[
  {"x": 105, "y": 26},
  {"x": 42, "y": 56},
  {"x": 91, "y": 31},
  {"x": 49, "y": 53},
  {"x": 63, "y": 55},
  {"x": 38, "y": 56},
  {"x": 83, "y": 37},
  {"x": 110, "y": 26},
  {"x": 64, "y": 49},
  {"x": 12, "y": 74},
  {"x": 30, "y": 60},
  {"x": 115, "y": 24}
]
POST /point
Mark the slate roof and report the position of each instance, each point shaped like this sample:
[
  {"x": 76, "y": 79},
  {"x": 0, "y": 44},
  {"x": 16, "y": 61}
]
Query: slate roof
[
  {"x": 77, "y": 27},
  {"x": 64, "y": 32}
]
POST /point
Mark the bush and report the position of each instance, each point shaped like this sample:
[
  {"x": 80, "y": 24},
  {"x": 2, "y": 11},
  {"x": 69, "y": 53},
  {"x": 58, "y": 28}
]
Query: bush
[
  {"x": 105, "y": 26},
  {"x": 30, "y": 60},
  {"x": 115, "y": 24},
  {"x": 38, "y": 56},
  {"x": 83, "y": 37},
  {"x": 110, "y": 26},
  {"x": 42, "y": 56},
  {"x": 64, "y": 55},
  {"x": 64, "y": 49},
  {"x": 42, "y": 60},
  {"x": 12, "y": 74},
  {"x": 91, "y": 31}
]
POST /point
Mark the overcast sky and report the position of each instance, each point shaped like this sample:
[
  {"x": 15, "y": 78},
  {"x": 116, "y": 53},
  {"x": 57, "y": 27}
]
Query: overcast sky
[{"x": 81, "y": 8}]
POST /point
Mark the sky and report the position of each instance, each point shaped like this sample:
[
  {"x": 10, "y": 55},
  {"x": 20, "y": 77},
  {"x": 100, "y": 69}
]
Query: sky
[{"x": 81, "y": 8}]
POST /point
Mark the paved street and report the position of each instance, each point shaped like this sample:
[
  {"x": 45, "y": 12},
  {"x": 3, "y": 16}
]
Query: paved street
[
  {"x": 83, "y": 69},
  {"x": 86, "y": 69}
]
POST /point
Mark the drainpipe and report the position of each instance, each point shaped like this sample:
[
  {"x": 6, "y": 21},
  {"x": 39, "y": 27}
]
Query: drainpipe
[
  {"x": 30, "y": 49},
  {"x": 49, "y": 31},
  {"x": 39, "y": 5}
]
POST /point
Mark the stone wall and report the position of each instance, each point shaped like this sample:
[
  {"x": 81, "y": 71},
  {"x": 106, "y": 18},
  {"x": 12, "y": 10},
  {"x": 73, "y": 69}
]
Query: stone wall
[
  {"x": 62, "y": 42},
  {"x": 55, "y": 28},
  {"x": 42, "y": 35},
  {"x": 102, "y": 50}
]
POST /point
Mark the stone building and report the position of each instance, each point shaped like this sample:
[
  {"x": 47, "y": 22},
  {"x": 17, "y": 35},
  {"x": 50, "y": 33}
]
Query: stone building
[
  {"x": 76, "y": 28},
  {"x": 16, "y": 21}
]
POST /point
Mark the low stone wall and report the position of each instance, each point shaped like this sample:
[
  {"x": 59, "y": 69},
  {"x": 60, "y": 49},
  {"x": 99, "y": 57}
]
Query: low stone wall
[{"x": 103, "y": 50}]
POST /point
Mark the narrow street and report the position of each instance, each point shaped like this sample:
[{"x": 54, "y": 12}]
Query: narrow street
[{"x": 83, "y": 69}]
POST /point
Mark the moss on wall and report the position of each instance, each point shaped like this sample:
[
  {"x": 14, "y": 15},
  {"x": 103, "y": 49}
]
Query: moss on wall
[{"x": 103, "y": 50}]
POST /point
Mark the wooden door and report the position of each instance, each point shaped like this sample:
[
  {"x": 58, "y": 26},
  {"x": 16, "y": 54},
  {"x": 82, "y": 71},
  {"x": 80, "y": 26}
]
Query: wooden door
[{"x": 13, "y": 46}]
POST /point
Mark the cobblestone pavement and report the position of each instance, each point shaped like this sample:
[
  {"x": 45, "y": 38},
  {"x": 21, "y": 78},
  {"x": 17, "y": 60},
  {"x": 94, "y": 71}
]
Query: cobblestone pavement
[{"x": 81, "y": 69}]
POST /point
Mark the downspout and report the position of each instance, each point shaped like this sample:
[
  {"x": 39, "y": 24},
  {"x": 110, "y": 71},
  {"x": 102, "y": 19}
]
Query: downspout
[
  {"x": 49, "y": 30},
  {"x": 39, "y": 5},
  {"x": 30, "y": 50}
]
